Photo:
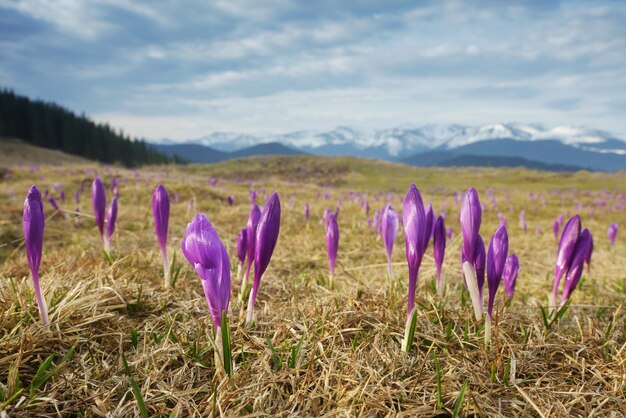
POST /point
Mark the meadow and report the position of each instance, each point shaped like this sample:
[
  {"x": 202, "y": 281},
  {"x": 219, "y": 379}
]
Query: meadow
[{"x": 122, "y": 345}]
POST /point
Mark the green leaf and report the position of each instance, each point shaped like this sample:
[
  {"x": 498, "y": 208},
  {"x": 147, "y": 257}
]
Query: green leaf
[
  {"x": 409, "y": 332},
  {"x": 459, "y": 401},
  {"x": 42, "y": 375},
  {"x": 228, "y": 357},
  {"x": 135, "y": 388},
  {"x": 275, "y": 358},
  {"x": 295, "y": 353}
]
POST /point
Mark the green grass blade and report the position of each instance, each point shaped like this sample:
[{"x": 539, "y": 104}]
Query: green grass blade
[
  {"x": 275, "y": 358},
  {"x": 228, "y": 357},
  {"x": 135, "y": 388},
  {"x": 459, "y": 401},
  {"x": 42, "y": 375}
]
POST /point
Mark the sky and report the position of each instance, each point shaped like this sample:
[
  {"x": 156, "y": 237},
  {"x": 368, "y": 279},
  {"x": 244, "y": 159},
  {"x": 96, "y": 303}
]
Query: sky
[{"x": 184, "y": 69}]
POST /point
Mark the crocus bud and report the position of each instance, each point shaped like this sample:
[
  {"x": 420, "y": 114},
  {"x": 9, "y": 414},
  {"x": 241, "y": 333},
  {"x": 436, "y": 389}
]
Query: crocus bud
[
  {"x": 555, "y": 228},
  {"x": 439, "y": 248},
  {"x": 161, "y": 215},
  {"x": 588, "y": 258},
  {"x": 111, "y": 218},
  {"x": 306, "y": 212},
  {"x": 231, "y": 200},
  {"x": 332, "y": 245},
  {"x": 242, "y": 242},
  {"x": 496, "y": 259},
  {"x": 390, "y": 231},
  {"x": 266, "y": 236},
  {"x": 509, "y": 276},
  {"x": 251, "y": 227},
  {"x": 612, "y": 233},
  {"x": 471, "y": 217},
  {"x": 54, "y": 203},
  {"x": 207, "y": 255},
  {"x": 99, "y": 200},
  {"x": 414, "y": 220},
  {"x": 33, "y": 225},
  {"x": 569, "y": 237},
  {"x": 576, "y": 265},
  {"x": 430, "y": 223},
  {"x": 480, "y": 264}
]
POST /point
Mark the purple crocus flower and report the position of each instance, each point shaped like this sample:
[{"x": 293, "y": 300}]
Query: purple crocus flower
[
  {"x": 481, "y": 263},
  {"x": 612, "y": 233},
  {"x": 54, "y": 203},
  {"x": 62, "y": 196},
  {"x": 414, "y": 220},
  {"x": 99, "y": 200},
  {"x": 471, "y": 217},
  {"x": 205, "y": 252},
  {"x": 509, "y": 276},
  {"x": 161, "y": 215},
  {"x": 555, "y": 228},
  {"x": 389, "y": 231},
  {"x": 266, "y": 237},
  {"x": 439, "y": 248},
  {"x": 111, "y": 218},
  {"x": 576, "y": 266},
  {"x": 251, "y": 227},
  {"x": 326, "y": 216},
  {"x": 306, "y": 212},
  {"x": 449, "y": 232},
  {"x": 34, "y": 225},
  {"x": 496, "y": 259},
  {"x": 588, "y": 258},
  {"x": 231, "y": 200},
  {"x": 430, "y": 223},
  {"x": 332, "y": 245},
  {"x": 242, "y": 247},
  {"x": 569, "y": 237}
]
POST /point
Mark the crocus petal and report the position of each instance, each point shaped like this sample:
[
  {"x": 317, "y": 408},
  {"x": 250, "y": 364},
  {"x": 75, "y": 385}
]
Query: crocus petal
[
  {"x": 414, "y": 220},
  {"x": 390, "y": 223},
  {"x": 99, "y": 200},
  {"x": 569, "y": 237},
  {"x": 332, "y": 242},
  {"x": 242, "y": 242},
  {"x": 496, "y": 259},
  {"x": 161, "y": 213},
  {"x": 111, "y": 217},
  {"x": 33, "y": 224},
  {"x": 509, "y": 276},
  {"x": 470, "y": 217},
  {"x": 439, "y": 245},
  {"x": 266, "y": 236},
  {"x": 575, "y": 271}
]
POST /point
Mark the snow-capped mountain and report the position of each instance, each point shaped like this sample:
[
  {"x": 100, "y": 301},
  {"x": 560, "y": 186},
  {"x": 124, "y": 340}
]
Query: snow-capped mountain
[{"x": 397, "y": 142}]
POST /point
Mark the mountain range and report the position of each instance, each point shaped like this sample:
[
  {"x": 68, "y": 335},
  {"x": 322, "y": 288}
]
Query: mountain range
[{"x": 561, "y": 148}]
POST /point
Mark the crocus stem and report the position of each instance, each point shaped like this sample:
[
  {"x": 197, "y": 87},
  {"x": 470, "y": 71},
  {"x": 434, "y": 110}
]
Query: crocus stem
[
  {"x": 239, "y": 271},
  {"x": 409, "y": 331},
  {"x": 331, "y": 281},
  {"x": 487, "y": 329},
  {"x": 439, "y": 286},
  {"x": 41, "y": 301},
  {"x": 551, "y": 302},
  {"x": 218, "y": 353},
  {"x": 390, "y": 270},
  {"x": 472, "y": 287},
  {"x": 166, "y": 268},
  {"x": 250, "y": 314},
  {"x": 107, "y": 244},
  {"x": 244, "y": 284}
]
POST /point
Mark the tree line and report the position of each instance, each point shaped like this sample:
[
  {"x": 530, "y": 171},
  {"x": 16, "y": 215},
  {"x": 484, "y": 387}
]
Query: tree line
[{"x": 52, "y": 126}]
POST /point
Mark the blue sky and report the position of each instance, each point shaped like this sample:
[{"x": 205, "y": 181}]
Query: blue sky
[{"x": 184, "y": 69}]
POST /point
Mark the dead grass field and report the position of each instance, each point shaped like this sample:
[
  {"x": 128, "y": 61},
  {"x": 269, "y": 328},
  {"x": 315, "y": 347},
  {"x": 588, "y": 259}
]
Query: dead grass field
[{"x": 350, "y": 362}]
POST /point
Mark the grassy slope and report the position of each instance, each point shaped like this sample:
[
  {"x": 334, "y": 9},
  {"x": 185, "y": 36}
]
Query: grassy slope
[
  {"x": 350, "y": 361},
  {"x": 14, "y": 152}
]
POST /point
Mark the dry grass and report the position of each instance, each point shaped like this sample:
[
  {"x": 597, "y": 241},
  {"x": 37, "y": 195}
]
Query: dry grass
[
  {"x": 350, "y": 363},
  {"x": 13, "y": 152}
]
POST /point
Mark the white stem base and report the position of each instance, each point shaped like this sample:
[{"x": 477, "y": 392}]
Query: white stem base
[
  {"x": 472, "y": 286},
  {"x": 487, "y": 329}
]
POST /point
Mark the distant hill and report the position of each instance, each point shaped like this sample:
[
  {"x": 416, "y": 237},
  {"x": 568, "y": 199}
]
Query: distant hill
[
  {"x": 203, "y": 154},
  {"x": 51, "y": 126},
  {"x": 14, "y": 152},
  {"x": 549, "y": 152},
  {"x": 453, "y": 159}
]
